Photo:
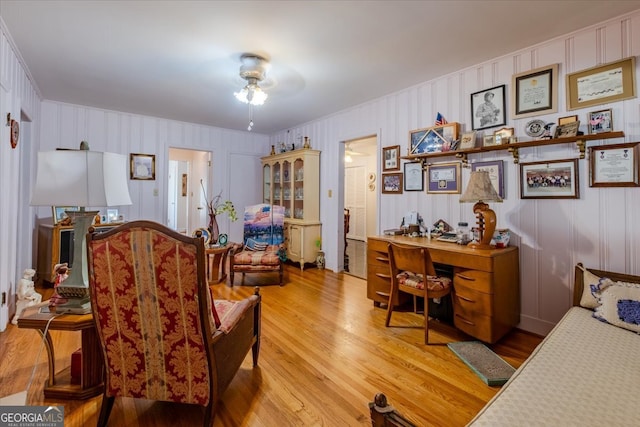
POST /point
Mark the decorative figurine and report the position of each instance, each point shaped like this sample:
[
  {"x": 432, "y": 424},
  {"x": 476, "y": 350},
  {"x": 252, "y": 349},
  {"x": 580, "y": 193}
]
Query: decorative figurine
[
  {"x": 27, "y": 295},
  {"x": 61, "y": 272}
]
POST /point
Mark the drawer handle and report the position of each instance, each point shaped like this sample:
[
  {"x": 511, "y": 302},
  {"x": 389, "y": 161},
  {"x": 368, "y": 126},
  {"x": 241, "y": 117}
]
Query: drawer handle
[
  {"x": 465, "y": 298},
  {"x": 462, "y": 319},
  {"x": 462, "y": 276},
  {"x": 379, "y": 258},
  {"x": 384, "y": 276}
]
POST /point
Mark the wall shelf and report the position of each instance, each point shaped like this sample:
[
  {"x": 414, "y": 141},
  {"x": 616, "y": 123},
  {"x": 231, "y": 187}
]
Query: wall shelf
[{"x": 514, "y": 149}]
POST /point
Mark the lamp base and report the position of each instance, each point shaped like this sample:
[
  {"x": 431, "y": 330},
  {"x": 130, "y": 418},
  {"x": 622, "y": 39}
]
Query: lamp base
[
  {"x": 486, "y": 226},
  {"x": 74, "y": 306}
]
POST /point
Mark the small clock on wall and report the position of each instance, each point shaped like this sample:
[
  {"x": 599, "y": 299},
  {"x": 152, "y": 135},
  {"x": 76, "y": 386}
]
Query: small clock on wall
[{"x": 15, "y": 130}]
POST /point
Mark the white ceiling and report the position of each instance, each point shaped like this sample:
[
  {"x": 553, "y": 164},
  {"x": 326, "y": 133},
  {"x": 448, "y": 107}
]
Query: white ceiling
[{"x": 180, "y": 59}]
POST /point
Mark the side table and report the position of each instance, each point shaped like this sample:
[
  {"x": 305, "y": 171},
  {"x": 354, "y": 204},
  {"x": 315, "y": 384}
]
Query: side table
[
  {"x": 218, "y": 263},
  {"x": 59, "y": 385}
]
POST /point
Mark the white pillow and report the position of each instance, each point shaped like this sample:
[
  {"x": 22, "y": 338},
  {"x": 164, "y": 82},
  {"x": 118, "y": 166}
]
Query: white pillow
[
  {"x": 588, "y": 279},
  {"x": 619, "y": 304}
]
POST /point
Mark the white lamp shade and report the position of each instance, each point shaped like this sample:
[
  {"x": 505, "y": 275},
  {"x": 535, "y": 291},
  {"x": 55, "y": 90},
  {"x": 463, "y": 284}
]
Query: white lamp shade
[{"x": 81, "y": 178}]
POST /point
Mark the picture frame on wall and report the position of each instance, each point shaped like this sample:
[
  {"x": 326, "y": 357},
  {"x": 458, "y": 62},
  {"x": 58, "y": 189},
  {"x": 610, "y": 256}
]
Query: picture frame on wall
[
  {"x": 488, "y": 108},
  {"x": 413, "y": 177},
  {"x": 433, "y": 139},
  {"x": 444, "y": 178},
  {"x": 392, "y": 183},
  {"x": 602, "y": 84},
  {"x": 614, "y": 165},
  {"x": 391, "y": 158},
  {"x": 600, "y": 121},
  {"x": 496, "y": 173},
  {"x": 59, "y": 212},
  {"x": 142, "y": 166},
  {"x": 551, "y": 179},
  {"x": 534, "y": 92}
]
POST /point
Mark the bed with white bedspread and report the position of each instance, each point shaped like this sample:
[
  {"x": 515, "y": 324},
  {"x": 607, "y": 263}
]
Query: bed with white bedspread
[{"x": 586, "y": 372}]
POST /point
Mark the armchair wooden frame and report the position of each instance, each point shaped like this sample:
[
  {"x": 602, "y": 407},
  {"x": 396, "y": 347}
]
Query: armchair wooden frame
[{"x": 159, "y": 331}]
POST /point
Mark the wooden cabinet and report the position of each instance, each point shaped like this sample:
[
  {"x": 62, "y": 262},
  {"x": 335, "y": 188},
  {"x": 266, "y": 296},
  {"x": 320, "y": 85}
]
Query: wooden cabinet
[
  {"x": 292, "y": 180},
  {"x": 486, "y": 283},
  {"x": 55, "y": 246}
]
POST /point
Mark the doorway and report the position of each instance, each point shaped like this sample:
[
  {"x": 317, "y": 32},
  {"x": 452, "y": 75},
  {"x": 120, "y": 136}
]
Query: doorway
[
  {"x": 189, "y": 173},
  {"x": 360, "y": 201}
]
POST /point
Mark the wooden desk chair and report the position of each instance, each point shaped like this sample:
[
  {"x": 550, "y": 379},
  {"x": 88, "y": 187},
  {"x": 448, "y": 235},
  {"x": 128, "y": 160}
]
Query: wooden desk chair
[
  {"x": 409, "y": 266},
  {"x": 162, "y": 335}
]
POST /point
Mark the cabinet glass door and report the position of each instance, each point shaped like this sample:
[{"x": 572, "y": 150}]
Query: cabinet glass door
[
  {"x": 287, "y": 191},
  {"x": 298, "y": 199},
  {"x": 266, "y": 184},
  {"x": 277, "y": 184}
]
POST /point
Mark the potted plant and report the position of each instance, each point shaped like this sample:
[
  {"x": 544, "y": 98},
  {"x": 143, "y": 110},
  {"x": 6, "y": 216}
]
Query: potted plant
[
  {"x": 320, "y": 256},
  {"x": 216, "y": 207}
]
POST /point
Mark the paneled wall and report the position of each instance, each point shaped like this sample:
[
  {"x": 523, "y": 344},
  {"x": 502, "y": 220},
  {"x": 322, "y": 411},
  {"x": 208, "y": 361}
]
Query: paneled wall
[{"x": 601, "y": 228}]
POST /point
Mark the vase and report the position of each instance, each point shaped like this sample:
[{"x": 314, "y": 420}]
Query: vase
[
  {"x": 214, "y": 232},
  {"x": 320, "y": 260}
]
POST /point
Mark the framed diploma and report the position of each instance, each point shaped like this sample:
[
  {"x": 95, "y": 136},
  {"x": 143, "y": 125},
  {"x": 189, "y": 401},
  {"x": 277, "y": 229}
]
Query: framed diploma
[
  {"x": 413, "y": 177},
  {"x": 614, "y": 165},
  {"x": 614, "y": 81},
  {"x": 534, "y": 92}
]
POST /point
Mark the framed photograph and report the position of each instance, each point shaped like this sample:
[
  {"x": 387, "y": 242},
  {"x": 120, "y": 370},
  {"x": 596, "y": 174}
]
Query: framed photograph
[
  {"x": 488, "y": 141},
  {"x": 496, "y": 173},
  {"x": 566, "y": 130},
  {"x": 112, "y": 215},
  {"x": 501, "y": 136},
  {"x": 567, "y": 119},
  {"x": 391, "y": 158},
  {"x": 534, "y": 92},
  {"x": 434, "y": 139},
  {"x": 600, "y": 121},
  {"x": 614, "y": 81},
  {"x": 468, "y": 140},
  {"x": 142, "y": 166},
  {"x": 203, "y": 233},
  {"x": 614, "y": 165},
  {"x": 488, "y": 108},
  {"x": 413, "y": 177},
  {"x": 444, "y": 178},
  {"x": 392, "y": 183},
  {"x": 553, "y": 179},
  {"x": 58, "y": 212}
]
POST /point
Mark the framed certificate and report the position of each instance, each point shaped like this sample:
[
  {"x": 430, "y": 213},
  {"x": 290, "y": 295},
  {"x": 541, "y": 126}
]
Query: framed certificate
[
  {"x": 614, "y": 165},
  {"x": 444, "y": 178},
  {"x": 413, "y": 177},
  {"x": 614, "y": 81},
  {"x": 535, "y": 92}
]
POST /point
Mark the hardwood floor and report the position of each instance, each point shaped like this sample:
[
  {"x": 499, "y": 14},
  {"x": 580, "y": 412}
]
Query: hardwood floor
[{"x": 325, "y": 353}]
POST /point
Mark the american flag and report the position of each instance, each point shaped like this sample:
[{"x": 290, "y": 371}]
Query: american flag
[{"x": 440, "y": 120}]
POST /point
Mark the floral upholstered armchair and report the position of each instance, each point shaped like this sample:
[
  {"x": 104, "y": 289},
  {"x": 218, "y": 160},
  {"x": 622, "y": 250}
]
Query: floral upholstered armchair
[
  {"x": 162, "y": 334},
  {"x": 262, "y": 249}
]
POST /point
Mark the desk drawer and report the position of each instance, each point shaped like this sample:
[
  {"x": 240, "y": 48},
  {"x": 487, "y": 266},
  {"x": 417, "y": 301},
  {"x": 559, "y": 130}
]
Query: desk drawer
[
  {"x": 470, "y": 303},
  {"x": 477, "y": 326},
  {"x": 480, "y": 281}
]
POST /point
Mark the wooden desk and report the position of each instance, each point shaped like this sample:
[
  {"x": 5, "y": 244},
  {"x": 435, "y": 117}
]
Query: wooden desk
[
  {"x": 486, "y": 283},
  {"x": 59, "y": 386},
  {"x": 219, "y": 262}
]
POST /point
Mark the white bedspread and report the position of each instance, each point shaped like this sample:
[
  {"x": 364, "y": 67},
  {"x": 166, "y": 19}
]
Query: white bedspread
[{"x": 584, "y": 373}]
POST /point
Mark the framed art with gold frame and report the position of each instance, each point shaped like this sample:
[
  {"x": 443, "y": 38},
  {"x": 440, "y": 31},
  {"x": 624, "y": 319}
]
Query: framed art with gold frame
[
  {"x": 534, "y": 92},
  {"x": 142, "y": 166},
  {"x": 614, "y": 165},
  {"x": 600, "y": 121},
  {"x": 444, "y": 178},
  {"x": 610, "y": 82},
  {"x": 501, "y": 136},
  {"x": 468, "y": 140},
  {"x": 567, "y": 119}
]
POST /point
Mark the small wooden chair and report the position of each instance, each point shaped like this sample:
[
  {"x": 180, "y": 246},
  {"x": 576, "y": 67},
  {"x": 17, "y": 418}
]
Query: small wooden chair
[{"x": 409, "y": 266}]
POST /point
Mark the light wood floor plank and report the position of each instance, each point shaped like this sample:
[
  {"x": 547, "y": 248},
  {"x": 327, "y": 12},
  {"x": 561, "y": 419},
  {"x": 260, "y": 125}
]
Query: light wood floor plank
[{"x": 325, "y": 353}]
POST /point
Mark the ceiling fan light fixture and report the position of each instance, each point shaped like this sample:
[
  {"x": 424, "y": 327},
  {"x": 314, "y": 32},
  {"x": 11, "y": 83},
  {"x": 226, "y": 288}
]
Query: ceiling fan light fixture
[{"x": 253, "y": 70}]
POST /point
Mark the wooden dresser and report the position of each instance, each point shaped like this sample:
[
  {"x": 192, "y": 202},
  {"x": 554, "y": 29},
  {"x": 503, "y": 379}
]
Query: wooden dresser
[{"x": 486, "y": 283}]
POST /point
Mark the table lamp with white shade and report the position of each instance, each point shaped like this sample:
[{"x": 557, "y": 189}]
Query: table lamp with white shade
[
  {"x": 80, "y": 178},
  {"x": 480, "y": 190}
]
